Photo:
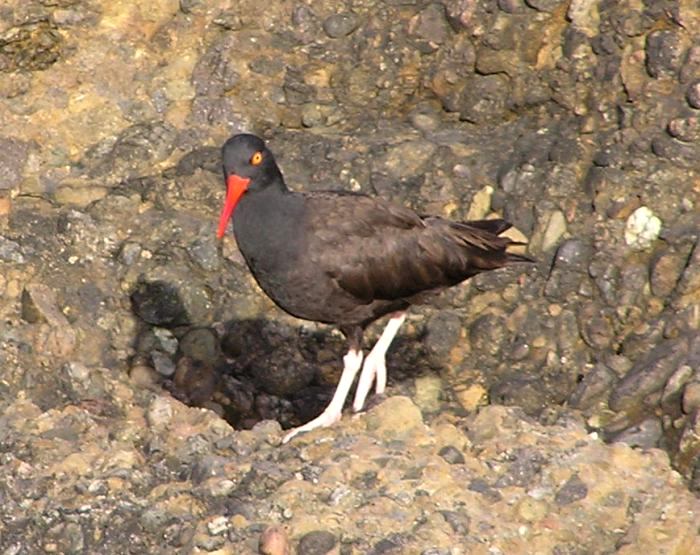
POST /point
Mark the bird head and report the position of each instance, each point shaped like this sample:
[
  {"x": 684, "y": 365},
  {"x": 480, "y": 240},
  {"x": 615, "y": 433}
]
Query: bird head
[{"x": 247, "y": 163}]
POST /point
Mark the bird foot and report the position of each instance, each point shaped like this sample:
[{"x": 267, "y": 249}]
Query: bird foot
[
  {"x": 323, "y": 420},
  {"x": 352, "y": 363}
]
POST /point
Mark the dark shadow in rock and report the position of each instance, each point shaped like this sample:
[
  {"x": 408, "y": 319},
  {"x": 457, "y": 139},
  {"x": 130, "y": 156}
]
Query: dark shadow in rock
[
  {"x": 256, "y": 369},
  {"x": 159, "y": 303},
  {"x": 248, "y": 370},
  {"x": 289, "y": 374}
]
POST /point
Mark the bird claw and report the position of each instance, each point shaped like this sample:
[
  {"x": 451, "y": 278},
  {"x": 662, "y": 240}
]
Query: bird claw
[{"x": 323, "y": 420}]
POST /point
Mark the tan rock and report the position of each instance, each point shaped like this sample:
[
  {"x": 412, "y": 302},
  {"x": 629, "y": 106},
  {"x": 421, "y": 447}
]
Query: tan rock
[
  {"x": 472, "y": 397},
  {"x": 428, "y": 389},
  {"x": 395, "y": 418}
]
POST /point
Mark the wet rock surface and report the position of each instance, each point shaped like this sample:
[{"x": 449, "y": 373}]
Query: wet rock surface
[{"x": 143, "y": 371}]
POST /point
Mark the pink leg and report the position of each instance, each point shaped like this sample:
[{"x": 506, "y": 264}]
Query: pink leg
[
  {"x": 352, "y": 362},
  {"x": 375, "y": 363}
]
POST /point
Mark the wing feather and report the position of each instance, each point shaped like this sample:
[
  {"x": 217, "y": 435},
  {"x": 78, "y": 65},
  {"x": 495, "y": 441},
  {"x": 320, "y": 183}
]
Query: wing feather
[{"x": 375, "y": 250}]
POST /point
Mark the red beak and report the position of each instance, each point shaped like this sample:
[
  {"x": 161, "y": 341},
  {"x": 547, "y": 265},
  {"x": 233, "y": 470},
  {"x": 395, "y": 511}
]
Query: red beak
[{"x": 235, "y": 187}]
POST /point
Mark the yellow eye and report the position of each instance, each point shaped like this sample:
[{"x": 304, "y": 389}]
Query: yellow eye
[{"x": 256, "y": 158}]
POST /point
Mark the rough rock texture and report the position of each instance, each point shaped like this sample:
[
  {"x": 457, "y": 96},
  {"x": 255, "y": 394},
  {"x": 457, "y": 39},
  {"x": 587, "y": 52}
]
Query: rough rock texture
[
  {"x": 577, "y": 121},
  {"x": 178, "y": 479}
]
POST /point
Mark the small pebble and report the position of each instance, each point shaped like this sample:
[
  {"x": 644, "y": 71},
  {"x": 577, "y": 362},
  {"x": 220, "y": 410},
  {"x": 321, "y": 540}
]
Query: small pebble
[
  {"x": 691, "y": 397},
  {"x": 143, "y": 376},
  {"x": 693, "y": 94},
  {"x": 340, "y": 24},
  {"x": 274, "y": 541},
  {"x": 318, "y": 542},
  {"x": 160, "y": 411},
  {"x": 78, "y": 371},
  {"x": 218, "y": 525},
  {"x": 311, "y": 115},
  {"x": 555, "y": 228},
  {"x": 163, "y": 364},
  {"x": 451, "y": 455},
  {"x": 166, "y": 340},
  {"x": 642, "y": 228}
]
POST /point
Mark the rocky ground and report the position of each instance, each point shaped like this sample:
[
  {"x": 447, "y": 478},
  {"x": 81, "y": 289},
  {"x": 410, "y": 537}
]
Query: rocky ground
[{"x": 553, "y": 409}]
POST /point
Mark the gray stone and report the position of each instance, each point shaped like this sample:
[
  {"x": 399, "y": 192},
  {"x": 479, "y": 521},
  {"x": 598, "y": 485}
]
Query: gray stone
[
  {"x": 451, "y": 454},
  {"x": 596, "y": 326},
  {"x": 573, "y": 490},
  {"x": 644, "y": 435},
  {"x": 481, "y": 486},
  {"x": 484, "y": 99},
  {"x": 678, "y": 152},
  {"x": 663, "y": 53},
  {"x": 673, "y": 390},
  {"x": 443, "y": 332},
  {"x": 191, "y": 6},
  {"x": 311, "y": 115},
  {"x": 163, "y": 364},
  {"x": 666, "y": 270},
  {"x": 318, "y": 542},
  {"x": 593, "y": 388},
  {"x": 341, "y": 24},
  {"x": 544, "y": 5},
  {"x": 649, "y": 374},
  {"x": 13, "y": 158},
  {"x": 11, "y": 251},
  {"x": 569, "y": 268},
  {"x": 134, "y": 151},
  {"x": 511, "y": 6},
  {"x": 166, "y": 340},
  {"x": 204, "y": 252},
  {"x": 693, "y": 94},
  {"x": 487, "y": 334},
  {"x": 430, "y": 28},
  {"x": 520, "y": 390},
  {"x": 39, "y": 304},
  {"x": 686, "y": 129}
]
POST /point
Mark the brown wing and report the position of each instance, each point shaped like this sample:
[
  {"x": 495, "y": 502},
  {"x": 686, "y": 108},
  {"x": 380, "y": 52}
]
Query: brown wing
[{"x": 374, "y": 250}]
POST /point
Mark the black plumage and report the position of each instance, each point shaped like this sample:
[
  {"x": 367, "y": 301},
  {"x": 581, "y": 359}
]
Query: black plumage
[{"x": 343, "y": 258}]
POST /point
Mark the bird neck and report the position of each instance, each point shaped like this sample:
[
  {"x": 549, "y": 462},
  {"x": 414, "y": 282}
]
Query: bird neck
[
  {"x": 270, "y": 182},
  {"x": 267, "y": 219}
]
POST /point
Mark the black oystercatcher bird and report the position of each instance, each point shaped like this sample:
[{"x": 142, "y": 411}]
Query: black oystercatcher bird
[{"x": 347, "y": 259}]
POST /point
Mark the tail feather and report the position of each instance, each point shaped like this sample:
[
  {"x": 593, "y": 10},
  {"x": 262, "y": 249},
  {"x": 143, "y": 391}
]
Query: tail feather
[
  {"x": 485, "y": 236},
  {"x": 495, "y": 225},
  {"x": 513, "y": 257}
]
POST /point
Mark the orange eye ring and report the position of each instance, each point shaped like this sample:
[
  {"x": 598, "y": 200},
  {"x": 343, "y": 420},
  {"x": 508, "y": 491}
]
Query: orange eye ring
[{"x": 256, "y": 158}]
